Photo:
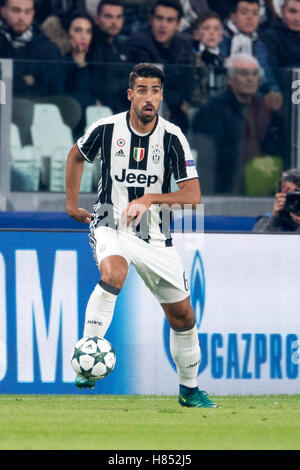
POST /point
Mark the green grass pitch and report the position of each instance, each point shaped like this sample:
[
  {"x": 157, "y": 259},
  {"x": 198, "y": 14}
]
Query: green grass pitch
[{"x": 101, "y": 422}]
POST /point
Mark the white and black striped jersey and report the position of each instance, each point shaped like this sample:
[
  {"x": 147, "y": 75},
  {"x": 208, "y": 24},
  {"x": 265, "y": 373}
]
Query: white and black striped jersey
[{"x": 132, "y": 165}]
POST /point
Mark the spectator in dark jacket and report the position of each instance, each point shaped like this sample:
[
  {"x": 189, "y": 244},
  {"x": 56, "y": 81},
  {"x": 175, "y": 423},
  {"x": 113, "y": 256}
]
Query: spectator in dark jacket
[
  {"x": 23, "y": 41},
  {"x": 282, "y": 38},
  {"x": 78, "y": 72},
  {"x": 110, "y": 21},
  {"x": 159, "y": 43},
  {"x": 35, "y": 80},
  {"x": 237, "y": 125},
  {"x": 207, "y": 58},
  {"x": 240, "y": 35},
  {"x": 207, "y": 36},
  {"x": 110, "y": 82},
  {"x": 282, "y": 218}
]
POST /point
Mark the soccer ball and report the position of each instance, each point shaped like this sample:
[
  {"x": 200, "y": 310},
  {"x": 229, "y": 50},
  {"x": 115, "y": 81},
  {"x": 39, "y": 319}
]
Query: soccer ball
[{"x": 93, "y": 358}]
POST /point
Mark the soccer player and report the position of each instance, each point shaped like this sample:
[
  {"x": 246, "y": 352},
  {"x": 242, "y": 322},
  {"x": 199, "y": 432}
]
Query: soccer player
[{"x": 137, "y": 151}]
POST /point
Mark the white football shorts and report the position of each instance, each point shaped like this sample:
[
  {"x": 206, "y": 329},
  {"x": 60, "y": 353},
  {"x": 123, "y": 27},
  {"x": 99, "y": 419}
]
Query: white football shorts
[{"x": 159, "y": 266}]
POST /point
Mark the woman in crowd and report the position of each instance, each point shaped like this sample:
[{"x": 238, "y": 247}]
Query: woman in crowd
[{"x": 79, "y": 68}]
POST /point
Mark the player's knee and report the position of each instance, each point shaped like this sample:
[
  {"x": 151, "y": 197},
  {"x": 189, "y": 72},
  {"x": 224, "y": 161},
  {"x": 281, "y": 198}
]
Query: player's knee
[
  {"x": 114, "y": 276},
  {"x": 186, "y": 320},
  {"x": 181, "y": 318},
  {"x": 114, "y": 279}
]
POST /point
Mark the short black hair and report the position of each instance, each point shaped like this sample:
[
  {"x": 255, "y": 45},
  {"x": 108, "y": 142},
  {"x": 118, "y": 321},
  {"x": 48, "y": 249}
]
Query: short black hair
[
  {"x": 206, "y": 15},
  {"x": 75, "y": 16},
  {"x": 166, "y": 3},
  {"x": 145, "y": 70},
  {"x": 235, "y": 4},
  {"x": 115, "y": 3}
]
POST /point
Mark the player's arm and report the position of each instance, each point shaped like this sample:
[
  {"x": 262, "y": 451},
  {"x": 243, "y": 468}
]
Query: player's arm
[
  {"x": 189, "y": 193},
  {"x": 74, "y": 170}
]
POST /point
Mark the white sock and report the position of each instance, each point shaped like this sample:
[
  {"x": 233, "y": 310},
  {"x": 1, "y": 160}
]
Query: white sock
[
  {"x": 99, "y": 312},
  {"x": 185, "y": 351}
]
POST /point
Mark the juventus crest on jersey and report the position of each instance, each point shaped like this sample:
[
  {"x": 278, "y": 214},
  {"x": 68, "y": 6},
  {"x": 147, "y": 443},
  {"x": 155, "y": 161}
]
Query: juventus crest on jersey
[{"x": 132, "y": 165}]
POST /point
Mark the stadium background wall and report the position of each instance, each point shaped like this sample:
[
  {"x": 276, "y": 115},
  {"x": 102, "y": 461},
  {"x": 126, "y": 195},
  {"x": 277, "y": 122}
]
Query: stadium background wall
[{"x": 244, "y": 289}]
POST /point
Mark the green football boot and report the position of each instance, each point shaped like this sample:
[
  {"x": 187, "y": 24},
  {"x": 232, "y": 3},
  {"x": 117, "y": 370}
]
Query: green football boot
[
  {"x": 82, "y": 383},
  {"x": 193, "y": 397}
]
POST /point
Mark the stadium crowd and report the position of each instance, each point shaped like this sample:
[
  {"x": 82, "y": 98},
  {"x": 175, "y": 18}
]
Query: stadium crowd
[{"x": 77, "y": 53}]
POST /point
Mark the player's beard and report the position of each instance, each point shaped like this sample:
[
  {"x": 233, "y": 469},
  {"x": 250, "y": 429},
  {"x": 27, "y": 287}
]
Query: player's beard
[{"x": 144, "y": 118}]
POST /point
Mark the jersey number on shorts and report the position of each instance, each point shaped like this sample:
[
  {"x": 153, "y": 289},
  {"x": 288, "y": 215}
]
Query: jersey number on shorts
[{"x": 186, "y": 282}]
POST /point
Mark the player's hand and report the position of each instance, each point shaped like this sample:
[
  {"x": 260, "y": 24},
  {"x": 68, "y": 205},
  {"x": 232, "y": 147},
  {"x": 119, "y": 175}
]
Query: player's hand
[
  {"x": 295, "y": 217},
  {"x": 135, "y": 210},
  {"x": 278, "y": 203},
  {"x": 81, "y": 215}
]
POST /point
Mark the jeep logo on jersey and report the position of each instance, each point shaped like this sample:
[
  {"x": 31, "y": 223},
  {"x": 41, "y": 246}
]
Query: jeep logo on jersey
[{"x": 136, "y": 178}]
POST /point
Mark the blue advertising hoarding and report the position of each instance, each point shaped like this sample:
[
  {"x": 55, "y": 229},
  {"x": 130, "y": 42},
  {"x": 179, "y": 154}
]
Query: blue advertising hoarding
[
  {"x": 244, "y": 291},
  {"x": 45, "y": 282}
]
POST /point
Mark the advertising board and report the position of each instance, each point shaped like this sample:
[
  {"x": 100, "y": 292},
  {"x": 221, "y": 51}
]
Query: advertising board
[{"x": 244, "y": 290}]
